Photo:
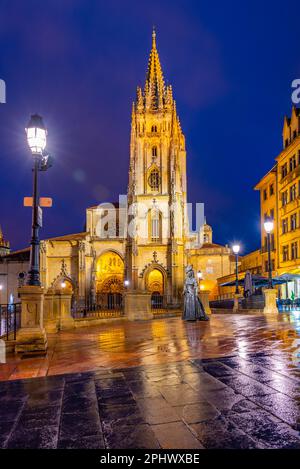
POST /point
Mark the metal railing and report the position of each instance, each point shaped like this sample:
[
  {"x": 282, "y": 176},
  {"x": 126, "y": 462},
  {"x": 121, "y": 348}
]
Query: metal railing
[
  {"x": 10, "y": 320},
  {"x": 107, "y": 305},
  {"x": 287, "y": 305}
]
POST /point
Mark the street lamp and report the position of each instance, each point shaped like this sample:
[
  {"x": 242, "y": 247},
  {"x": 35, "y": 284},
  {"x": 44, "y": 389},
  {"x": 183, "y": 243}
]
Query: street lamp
[
  {"x": 36, "y": 138},
  {"x": 199, "y": 276},
  {"x": 236, "y": 250},
  {"x": 63, "y": 285},
  {"x": 126, "y": 283},
  {"x": 269, "y": 226}
]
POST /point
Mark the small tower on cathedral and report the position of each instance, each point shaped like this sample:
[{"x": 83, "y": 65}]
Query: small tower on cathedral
[{"x": 4, "y": 245}]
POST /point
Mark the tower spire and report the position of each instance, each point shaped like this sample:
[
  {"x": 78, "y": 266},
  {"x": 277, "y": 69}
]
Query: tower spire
[{"x": 154, "y": 86}]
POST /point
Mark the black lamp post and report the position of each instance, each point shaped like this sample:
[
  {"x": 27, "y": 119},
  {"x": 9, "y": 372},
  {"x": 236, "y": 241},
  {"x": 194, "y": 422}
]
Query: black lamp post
[
  {"x": 269, "y": 226},
  {"x": 36, "y": 138},
  {"x": 236, "y": 250}
]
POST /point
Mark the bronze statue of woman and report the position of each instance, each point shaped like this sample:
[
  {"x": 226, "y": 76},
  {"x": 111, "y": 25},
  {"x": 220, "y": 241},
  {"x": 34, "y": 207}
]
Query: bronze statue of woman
[{"x": 193, "y": 309}]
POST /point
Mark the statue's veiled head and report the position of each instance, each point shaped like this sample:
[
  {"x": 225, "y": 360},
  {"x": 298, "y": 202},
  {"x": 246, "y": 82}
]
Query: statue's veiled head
[{"x": 189, "y": 271}]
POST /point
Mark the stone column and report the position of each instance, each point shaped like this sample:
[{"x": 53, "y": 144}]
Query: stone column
[
  {"x": 270, "y": 301},
  {"x": 65, "y": 319},
  {"x": 204, "y": 297},
  {"x": 50, "y": 318},
  {"x": 237, "y": 296},
  {"x": 31, "y": 337},
  {"x": 138, "y": 305}
]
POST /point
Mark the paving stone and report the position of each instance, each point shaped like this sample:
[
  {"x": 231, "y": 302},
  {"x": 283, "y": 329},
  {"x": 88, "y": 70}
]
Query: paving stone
[
  {"x": 35, "y": 438},
  {"x": 180, "y": 394},
  {"x": 175, "y": 435},
  {"x": 131, "y": 436},
  {"x": 79, "y": 424},
  {"x": 200, "y": 412},
  {"x": 156, "y": 410},
  {"x": 121, "y": 414},
  {"x": 265, "y": 430},
  {"x": 87, "y": 442},
  {"x": 222, "y": 434}
]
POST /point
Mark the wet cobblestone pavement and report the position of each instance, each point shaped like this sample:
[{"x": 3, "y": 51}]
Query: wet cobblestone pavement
[
  {"x": 232, "y": 402},
  {"x": 230, "y": 383}
]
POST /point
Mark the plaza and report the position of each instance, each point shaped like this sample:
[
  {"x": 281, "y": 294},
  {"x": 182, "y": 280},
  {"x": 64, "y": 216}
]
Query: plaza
[{"x": 230, "y": 383}]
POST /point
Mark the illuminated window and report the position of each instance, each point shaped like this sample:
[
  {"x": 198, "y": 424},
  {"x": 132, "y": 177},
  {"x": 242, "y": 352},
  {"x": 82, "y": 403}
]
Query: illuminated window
[
  {"x": 155, "y": 222},
  {"x": 154, "y": 180}
]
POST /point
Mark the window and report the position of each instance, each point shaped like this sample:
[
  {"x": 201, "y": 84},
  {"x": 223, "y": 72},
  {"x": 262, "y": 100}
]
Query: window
[
  {"x": 294, "y": 250},
  {"x": 286, "y": 142},
  {"x": 272, "y": 242},
  {"x": 293, "y": 192},
  {"x": 284, "y": 198},
  {"x": 294, "y": 133},
  {"x": 285, "y": 253},
  {"x": 272, "y": 214},
  {"x": 294, "y": 221},
  {"x": 285, "y": 225},
  {"x": 284, "y": 170},
  {"x": 271, "y": 189},
  {"x": 267, "y": 265},
  {"x": 154, "y": 151},
  {"x": 154, "y": 180},
  {"x": 265, "y": 195},
  {"x": 293, "y": 163},
  {"x": 155, "y": 224},
  {"x": 154, "y": 128}
]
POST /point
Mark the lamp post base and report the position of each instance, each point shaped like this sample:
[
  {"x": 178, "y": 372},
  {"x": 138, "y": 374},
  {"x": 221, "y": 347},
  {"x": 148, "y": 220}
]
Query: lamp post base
[{"x": 270, "y": 301}]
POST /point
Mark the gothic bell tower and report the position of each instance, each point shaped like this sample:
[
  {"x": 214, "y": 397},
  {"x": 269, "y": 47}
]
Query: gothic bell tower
[{"x": 157, "y": 184}]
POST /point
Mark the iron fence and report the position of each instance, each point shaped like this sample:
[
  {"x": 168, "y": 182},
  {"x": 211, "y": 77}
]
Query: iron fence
[
  {"x": 107, "y": 305},
  {"x": 10, "y": 320}
]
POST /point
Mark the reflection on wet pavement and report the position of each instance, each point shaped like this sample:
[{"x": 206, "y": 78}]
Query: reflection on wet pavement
[
  {"x": 122, "y": 344},
  {"x": 230, "y": 383}
]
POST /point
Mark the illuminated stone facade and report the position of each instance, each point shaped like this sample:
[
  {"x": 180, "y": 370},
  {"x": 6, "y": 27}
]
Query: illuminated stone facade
[{"x": 145, "y": 238}]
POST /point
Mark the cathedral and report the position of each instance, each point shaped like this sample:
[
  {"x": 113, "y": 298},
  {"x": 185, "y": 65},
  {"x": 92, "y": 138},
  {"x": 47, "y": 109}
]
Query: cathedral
[{"x": 144, "y": 241}]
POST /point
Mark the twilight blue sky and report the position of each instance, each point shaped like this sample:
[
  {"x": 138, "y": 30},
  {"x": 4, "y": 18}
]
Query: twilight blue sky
[{"x": 77, "y": 62}]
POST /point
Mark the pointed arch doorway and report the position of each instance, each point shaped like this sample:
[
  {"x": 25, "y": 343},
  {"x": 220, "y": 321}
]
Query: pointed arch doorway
[{"x": 156, "y": 286}]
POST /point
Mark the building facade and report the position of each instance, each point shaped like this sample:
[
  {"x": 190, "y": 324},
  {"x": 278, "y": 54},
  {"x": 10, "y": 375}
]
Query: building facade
[
  {"x": 280, "y": 199},
  {"x": 143, "y": 242}
]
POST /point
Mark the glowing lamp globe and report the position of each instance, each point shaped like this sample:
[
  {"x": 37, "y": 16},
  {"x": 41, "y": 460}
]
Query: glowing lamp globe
[
  {"x": 63, "y": 284},
  {"x": 199, "y": 275},
  {"x": 126, "y": 283},
  {"x": 268, "y": 225},
  {"x": 36, "y": 134},
  {"x": 236, "y": 248}
]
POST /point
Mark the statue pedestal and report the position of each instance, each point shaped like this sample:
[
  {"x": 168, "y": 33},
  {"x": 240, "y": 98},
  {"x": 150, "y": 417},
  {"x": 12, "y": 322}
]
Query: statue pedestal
[
  {"x": 270, "y": 301},
  {"x": 31, "y": 337},
  {"x": 204, "y": 297},
  {"x": 138, "y": 305}
]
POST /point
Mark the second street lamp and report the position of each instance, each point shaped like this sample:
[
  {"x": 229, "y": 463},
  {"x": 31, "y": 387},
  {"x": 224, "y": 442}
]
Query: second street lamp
[
  {"x": 36, "y": 139},
  {"x": 269, "y": 226},
  {"x": 236, "y": 250}
]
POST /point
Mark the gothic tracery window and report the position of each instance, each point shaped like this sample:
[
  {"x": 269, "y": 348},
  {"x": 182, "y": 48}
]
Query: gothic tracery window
[
  {"x": 154, "y": 180},
  {"x": 155, "y": 219},
  {"x": 154, "y": 151}
]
